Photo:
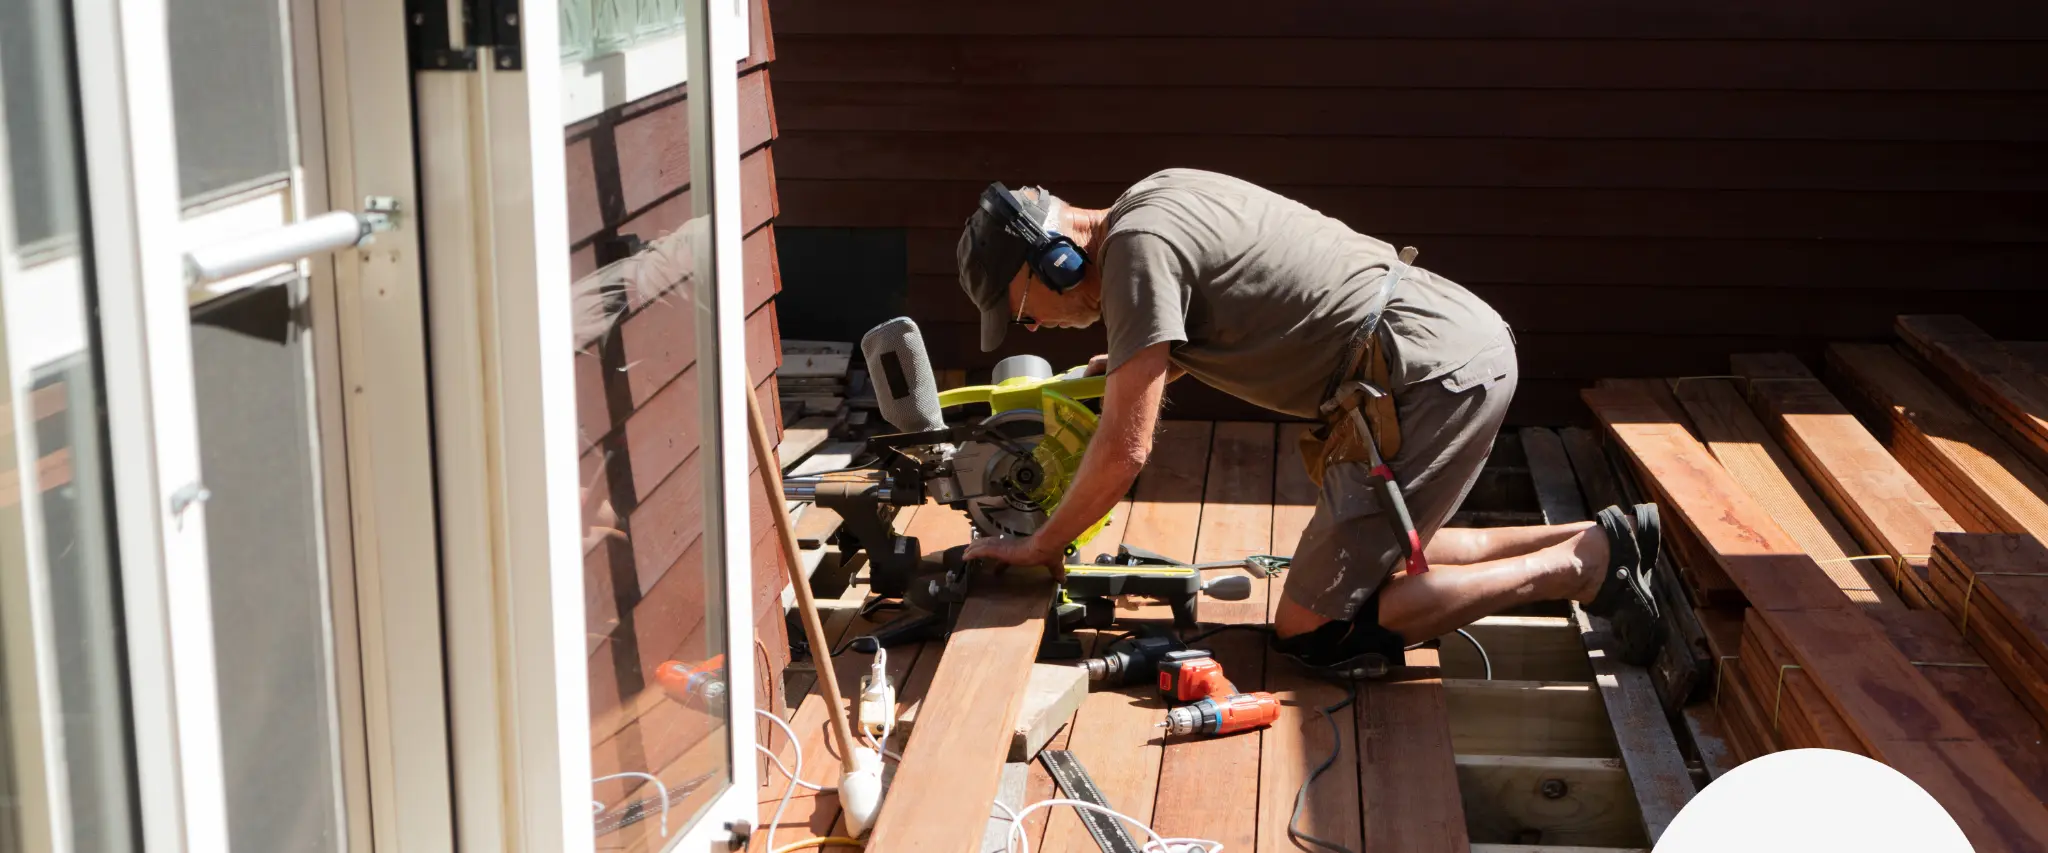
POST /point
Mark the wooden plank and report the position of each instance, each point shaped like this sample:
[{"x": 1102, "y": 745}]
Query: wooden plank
[
  {"x": 1894, "y": 712},
  {"x": 1408, "y": 776},
  {"x": 2005, "y": 384},
  {"x": 1558, "y": 719},
  {"x": 1710, "y": 736},
  {"x": 1767, "y": 475},
  {"x": 1980, "y": 478},
  {"x": 1236, "y": 521},
  {"x": 1114, "y": 734},
  {"x": 1301, "y": 738},
  {"x": 1885, "y": 507},
  {"x": 1587, "y": 801},
  {"x": 1995, "y": 588},
  {"x": 806, "y": 20},
  {"x": 952, "y": 766},
  {"x": 802, "y": 437},
  {"x": 1930, "y": 641}
]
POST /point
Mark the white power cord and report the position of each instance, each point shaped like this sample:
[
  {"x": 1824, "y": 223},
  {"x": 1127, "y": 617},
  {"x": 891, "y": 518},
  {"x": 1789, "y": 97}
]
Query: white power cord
[
  {"x": 795, "y": 778},
  {"x": 658, "y": 789},
  {"x": 1158, "y": 844}
]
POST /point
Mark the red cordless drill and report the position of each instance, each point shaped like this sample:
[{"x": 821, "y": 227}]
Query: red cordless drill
[
  {"x": 1214, "y": 707},
  {"x": 1221, "y": 716},
  {"x": 701, "y": 687}
]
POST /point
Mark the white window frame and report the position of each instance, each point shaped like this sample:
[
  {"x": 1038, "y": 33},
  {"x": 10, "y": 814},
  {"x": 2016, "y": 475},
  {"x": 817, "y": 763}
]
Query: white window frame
[
  {"x": 494, "y": 185},
  {"x": 597, "y": 83}
]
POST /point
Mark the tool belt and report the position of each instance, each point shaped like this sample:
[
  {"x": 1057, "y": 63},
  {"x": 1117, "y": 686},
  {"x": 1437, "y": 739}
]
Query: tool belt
[{"x": 1337, "y": 440}]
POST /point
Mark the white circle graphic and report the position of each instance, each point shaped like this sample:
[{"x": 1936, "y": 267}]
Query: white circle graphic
[{"x": 1813, "y": 799}]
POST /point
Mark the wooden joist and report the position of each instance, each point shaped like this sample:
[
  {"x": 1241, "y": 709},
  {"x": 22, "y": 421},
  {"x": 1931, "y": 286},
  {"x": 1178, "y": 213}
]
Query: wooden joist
[
  {"x": 1976, "y": 476},
  {"x": 1567, "y": 801},
  {"x": 1662, "y": 785},
  {"x": 1731, "y": 431},
  {"x": 1882, "y": 504},
  {"x": 1994, "y": 587},
  {"x": 2008, "y": 387},
  {"x": 1892, "y": 711}
]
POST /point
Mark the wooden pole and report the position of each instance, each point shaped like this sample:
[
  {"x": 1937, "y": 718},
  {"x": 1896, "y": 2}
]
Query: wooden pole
[{"x": 814, "y": 629}]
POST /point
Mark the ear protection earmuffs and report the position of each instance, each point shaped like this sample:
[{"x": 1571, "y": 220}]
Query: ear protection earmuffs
[{"x": 1054, "y": 257}]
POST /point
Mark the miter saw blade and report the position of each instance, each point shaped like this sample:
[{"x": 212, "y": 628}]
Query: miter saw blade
[{"x": 1002, "y": 480}]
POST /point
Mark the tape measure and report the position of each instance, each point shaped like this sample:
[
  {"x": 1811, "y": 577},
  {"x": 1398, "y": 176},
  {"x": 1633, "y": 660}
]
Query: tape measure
[{"x": 1108, "y": 832}]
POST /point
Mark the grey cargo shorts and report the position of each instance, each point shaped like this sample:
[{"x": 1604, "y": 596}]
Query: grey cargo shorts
[{"x": 1448, "y": 425}]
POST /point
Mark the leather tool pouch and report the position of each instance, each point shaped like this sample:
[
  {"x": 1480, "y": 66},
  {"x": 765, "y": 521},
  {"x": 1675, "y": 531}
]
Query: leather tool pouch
[{"x": 1337, "y": 440}]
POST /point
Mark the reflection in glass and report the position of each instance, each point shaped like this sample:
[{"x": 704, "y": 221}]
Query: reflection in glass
[
  {"x": 228, "y": 79},
  {"x": 654, "y": 603},
  {"x": 54, "y": 428}
]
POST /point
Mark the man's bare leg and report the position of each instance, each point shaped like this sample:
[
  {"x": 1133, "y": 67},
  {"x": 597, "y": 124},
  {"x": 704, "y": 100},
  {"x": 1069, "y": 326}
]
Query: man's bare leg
[
  {"x": 1447, "y": 598},
  {"x": 1465, "y": 546},
  {"x": 1562, "y": 561}
]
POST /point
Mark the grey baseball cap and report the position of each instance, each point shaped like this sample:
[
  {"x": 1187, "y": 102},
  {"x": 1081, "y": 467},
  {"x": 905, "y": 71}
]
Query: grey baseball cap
[{"x": 989, "y": 256}]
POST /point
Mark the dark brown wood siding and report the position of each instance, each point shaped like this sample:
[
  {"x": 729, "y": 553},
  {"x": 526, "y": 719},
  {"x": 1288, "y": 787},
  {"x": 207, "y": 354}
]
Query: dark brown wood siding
[
  {"x": 1640, "y": 188},
  {"x": 637, "y": 408}
]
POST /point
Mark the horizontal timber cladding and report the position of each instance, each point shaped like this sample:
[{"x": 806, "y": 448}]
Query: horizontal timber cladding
[
  {"x": 1640, "y": 190},
  {"x": 639, "y": 425}
]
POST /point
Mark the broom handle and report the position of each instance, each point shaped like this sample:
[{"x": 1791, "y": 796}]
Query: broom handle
[{"x": 814, "y": 629}]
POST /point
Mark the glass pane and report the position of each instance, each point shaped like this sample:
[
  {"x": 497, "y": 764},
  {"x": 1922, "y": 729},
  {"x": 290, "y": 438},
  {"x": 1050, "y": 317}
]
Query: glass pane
[
  {"x": 228, "y": 78},
  {"x": 251, "y": 359},
  {"x": 655, "y": 602},
  {"x": 597, "y": 27},
  {"x": 50, "y": 389}
]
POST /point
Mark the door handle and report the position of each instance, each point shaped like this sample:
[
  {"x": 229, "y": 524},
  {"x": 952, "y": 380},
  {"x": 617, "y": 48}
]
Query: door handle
[{"x": 327, "y": 232}]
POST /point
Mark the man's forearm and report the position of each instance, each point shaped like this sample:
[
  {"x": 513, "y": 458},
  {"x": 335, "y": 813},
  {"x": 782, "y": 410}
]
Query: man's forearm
[
  {"x": 1123, "y": 438},
  {"x": 1098, "y": 486}
]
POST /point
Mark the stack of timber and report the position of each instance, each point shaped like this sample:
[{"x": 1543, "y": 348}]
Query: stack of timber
[
  {"x": 1882, "y": 504},
  {"x": 1806, "y": 665},
  {"x": 820, "y": 379},
  {"x": 1994, "y": 587},
  {"x": 1979, "y": 478},
  {"x": 2002, "y": 380}
]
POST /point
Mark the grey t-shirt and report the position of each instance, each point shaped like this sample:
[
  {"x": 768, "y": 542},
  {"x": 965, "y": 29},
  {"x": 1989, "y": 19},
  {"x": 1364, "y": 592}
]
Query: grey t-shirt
[{"x": 1259, "y": 294}]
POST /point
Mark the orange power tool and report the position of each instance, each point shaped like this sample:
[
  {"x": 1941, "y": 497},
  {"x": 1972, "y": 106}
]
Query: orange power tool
[
  {"x": 700, "y": 687},
  {"x": 1206, "y": 702},
  {"x": 1221, "y": 716}
]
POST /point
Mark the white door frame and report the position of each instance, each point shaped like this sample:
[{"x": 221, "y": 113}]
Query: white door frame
[
  {"x": 494, "y": 188},
  {"x": 130, "y": 161}
]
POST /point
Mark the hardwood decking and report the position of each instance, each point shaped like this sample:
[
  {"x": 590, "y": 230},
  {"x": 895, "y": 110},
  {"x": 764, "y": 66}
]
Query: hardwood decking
[{"x": 1444, "y": 763}]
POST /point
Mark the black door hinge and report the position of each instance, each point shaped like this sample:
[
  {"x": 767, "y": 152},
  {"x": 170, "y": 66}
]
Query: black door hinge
[{"x": 493, "y": 24}]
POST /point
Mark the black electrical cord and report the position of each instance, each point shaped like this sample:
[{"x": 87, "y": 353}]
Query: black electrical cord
[
  {"x": 1262, "y": 629},
  {"x": 1336, "y": 749}
]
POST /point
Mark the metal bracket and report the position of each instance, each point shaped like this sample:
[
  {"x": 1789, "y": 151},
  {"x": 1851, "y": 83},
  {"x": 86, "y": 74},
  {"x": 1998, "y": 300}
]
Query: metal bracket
[
  {"x": 493, "y": 24},
  {"x": 430, "y": 37},
  {"x": 498, "y": 28},
  {"x": 380, "y": 213}
]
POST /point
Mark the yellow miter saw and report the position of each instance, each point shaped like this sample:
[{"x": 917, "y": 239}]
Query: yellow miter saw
[{"x": 1007, "y": 470}]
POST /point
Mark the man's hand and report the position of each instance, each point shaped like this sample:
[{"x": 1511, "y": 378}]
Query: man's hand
[
  {"x": 1097, "y": 366},
  {"x": 1020, "y": 551}
]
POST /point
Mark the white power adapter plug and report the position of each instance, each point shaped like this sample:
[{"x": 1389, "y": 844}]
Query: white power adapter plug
[{"x": 878, "y": 699}]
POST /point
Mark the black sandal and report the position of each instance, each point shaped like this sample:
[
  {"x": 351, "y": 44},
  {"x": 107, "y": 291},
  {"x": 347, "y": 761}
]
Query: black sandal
[{"x": 1624, "y": 599}]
